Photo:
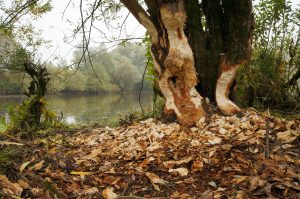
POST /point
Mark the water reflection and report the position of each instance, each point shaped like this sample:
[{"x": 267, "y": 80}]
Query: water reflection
[{"x": 87, "y": 108}]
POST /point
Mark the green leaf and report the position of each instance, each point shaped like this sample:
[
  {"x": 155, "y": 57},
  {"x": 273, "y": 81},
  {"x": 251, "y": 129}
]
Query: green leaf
[{"x": 3, "y": 128}]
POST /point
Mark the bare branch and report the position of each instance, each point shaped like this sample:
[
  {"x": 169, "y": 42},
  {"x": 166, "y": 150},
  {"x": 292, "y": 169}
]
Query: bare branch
[{"x": 143, "y": 18}]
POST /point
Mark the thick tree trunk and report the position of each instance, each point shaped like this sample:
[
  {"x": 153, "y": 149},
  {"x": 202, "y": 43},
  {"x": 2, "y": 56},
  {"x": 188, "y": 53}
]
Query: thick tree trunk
[
  {"x": 181, "y": 45},
  {"x": 221, "y": 47},
  {"x": 174, "y": 62}
]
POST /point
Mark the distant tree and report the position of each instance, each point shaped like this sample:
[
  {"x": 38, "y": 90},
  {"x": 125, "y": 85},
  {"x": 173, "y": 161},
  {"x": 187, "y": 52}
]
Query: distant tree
[
  {"x": 125, "y": 74},
  {"x": 16, "y": 58},
  {"x": 20, "y": 60}
]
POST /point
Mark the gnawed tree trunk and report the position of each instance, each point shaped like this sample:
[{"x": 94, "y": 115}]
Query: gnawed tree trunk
[
  {"x": 221, "y": 46},
  {"x": 181, "y": 45}
]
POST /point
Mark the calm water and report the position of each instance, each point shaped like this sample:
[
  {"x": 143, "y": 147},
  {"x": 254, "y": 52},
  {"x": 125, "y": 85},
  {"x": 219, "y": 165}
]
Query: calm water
[{"x": 88, "y": 108}]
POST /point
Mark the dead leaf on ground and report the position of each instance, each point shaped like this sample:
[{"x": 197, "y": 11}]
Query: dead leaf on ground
[
  {"x": 181, "y": 171},
  {"x": 24, "y": 165},
  {"x": 12, "y": 188},
  {"x": 108, "y": 193},
  {"x": 171, "y": 163},
  {"x": 37, "y": 166},
  {"x": 155, "y": 179}
]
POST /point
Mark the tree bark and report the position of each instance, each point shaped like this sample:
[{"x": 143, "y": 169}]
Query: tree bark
[
  {"x": 221, "y": 47},
  {"x": 181, "y": 45}
]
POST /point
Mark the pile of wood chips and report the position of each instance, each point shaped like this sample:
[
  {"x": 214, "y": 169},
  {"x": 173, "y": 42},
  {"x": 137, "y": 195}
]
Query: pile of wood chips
[{"x": 253, "y": 156}]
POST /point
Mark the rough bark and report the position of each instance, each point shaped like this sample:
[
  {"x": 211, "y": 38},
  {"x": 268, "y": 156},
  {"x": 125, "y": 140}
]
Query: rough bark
[
  {"x": 181, "y": 45},
  {"x": 36, "y": 92},
  {"x": 222, "y": 47},
  {"x": 175, "y": 64}
]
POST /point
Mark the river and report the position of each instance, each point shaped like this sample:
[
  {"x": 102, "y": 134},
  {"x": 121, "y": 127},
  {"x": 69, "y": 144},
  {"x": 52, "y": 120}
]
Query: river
[{"x": 81, "y": 109}]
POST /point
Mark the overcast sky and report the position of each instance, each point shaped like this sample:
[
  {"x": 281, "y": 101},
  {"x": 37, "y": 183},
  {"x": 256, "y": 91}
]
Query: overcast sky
[{"x": 58, "y": 29}]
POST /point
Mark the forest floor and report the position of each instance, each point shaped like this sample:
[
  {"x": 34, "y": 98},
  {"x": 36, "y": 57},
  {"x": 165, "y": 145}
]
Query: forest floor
[{"x": 252, "y": 156}]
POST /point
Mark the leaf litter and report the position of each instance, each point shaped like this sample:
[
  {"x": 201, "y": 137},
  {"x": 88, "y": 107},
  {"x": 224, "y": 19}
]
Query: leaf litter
[{"x": 221, "y": 157}]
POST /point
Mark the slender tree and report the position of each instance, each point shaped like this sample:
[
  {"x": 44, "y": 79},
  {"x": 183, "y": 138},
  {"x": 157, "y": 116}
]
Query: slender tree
[{"x": 197, "y": 49}]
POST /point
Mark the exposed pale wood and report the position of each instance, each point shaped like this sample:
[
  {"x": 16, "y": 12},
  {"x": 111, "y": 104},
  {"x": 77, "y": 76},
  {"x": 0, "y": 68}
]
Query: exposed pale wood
[{"x": 178, "y": 79}]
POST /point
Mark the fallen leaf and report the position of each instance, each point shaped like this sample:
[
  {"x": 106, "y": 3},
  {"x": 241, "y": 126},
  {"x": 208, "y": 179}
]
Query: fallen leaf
[
  {"x": 195, "y": 143},
  {"x": 214, "y": 141},
  {"x": 241, "y": 195},
  {"x": 91, "y": 191},
  {"x": 208, "y": 194},
  {"x": 24, "y": 165},
  {"x": 239, "y": 179},
  {"x": 37, "y": 166},
  {"x": 213, "y": 184},
  {"x": 255, "y": 182},
  {"x": 14, "y": 188},
  {"x": 23, "y": 184},
  {"x": 171, "y": 163},
  {"x": 287, "y": 136},
  {"x": 226, "y": 147},
  {"x": 197, "y": 166},
  {"x": 108, "y": 193},
  {"x": 181, "y": 171},
  {"x": 81, "y": 173},
  {"x": 155, "y": 180}
]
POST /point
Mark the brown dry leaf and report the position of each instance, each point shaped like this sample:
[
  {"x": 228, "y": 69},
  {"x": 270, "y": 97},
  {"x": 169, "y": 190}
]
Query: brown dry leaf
[
  {"x": 195, "y": 143},
  {"x": 226, "y": 147},
  {"x": 155, "y": 180},
  {"x": 181, "y": 171},
  {"x": 239, "y": 179},
  {"x": 12, "y": 188},
  {"x": 240, "y": 195},
  {"x": 287, "y": 136},
  {"x": 215, "y": 140},
  {"x": 24, "y": 165},
  {"x": 197, "y": 166},
  {"x": 111, "y": 180},
  {"x": 255, "y": 182},
  {"x": 52, "y": 150},
  {"x": 37, "y": 192},
  {"x": 109, "y": 193},
  {"x": 171, "y": 163},
  {"x": 37, "y": 166},
  {"x": 92, "y": 156},
  {"x": 290, "y": 124},
  {"x": 207, "y": 195},
  {"x": 91, "y": 191},
  {"x": 23, "y": 184}
]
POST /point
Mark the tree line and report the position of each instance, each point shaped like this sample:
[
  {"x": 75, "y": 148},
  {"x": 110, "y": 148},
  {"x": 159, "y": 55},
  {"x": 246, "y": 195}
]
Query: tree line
[{"x": 119, "y": 70}]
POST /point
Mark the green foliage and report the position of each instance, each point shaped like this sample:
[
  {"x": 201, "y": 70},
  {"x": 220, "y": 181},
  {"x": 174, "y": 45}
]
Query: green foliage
[
  {"x": 22, "y": 118},
  {"x": 275, "y": 58},
  {"x": 10, "y": 156},
  {"x": 3, "y": 127},
  {"x": 151, "y": 74}
]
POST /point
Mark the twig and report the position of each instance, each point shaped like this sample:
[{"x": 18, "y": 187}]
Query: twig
[
  {"x": 16, "y": 139},
  {"x": 140, "y": 92},
  {"x": 267, "y": 151}
]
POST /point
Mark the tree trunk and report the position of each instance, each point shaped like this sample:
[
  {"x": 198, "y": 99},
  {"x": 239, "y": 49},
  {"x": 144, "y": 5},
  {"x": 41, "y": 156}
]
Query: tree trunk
[
  {"x": 174, "y": 62},
  {"x": 181, "y": 45}
]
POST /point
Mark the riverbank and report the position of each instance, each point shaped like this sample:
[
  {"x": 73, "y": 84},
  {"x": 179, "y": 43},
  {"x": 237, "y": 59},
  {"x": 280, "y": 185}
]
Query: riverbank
[
  {"x": 255, "y": 156},
  {"x": 81, "y": 109}
]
